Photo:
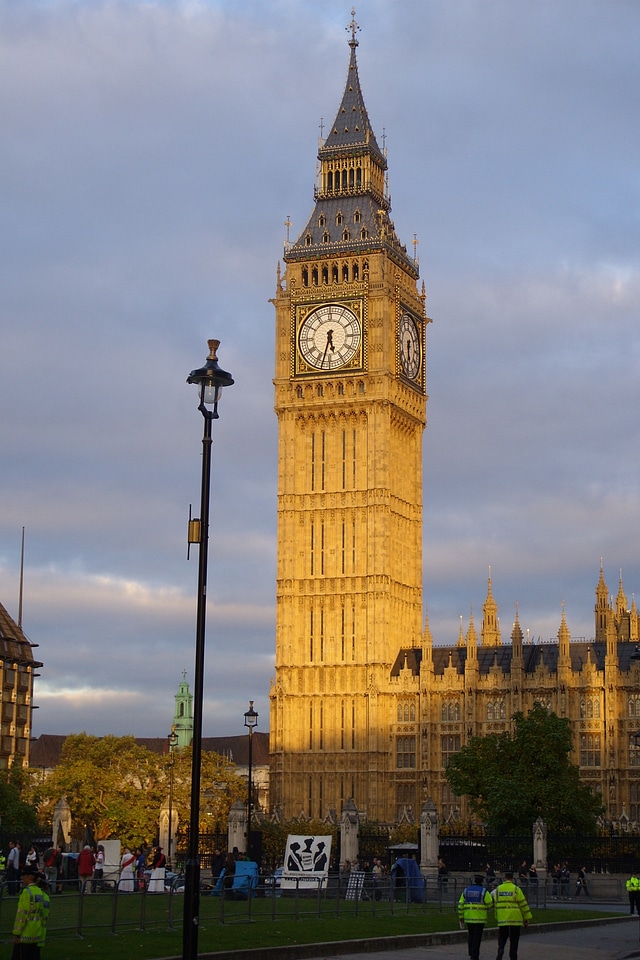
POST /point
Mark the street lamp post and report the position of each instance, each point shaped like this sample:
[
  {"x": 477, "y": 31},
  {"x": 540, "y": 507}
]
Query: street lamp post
[
  {"x": 210, "y": 380},
  {"x": 173, "y": 743},
  {"x": 250, "y": 721}
]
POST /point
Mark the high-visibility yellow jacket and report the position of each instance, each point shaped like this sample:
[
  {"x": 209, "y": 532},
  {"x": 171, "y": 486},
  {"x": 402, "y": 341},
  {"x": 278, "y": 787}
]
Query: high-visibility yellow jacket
[
  {"x": 31, "y": 916},
  {"x": 633, "y": 884},
  {"x": 512, "y": 909},
  {"x": 474, "y": 903}
]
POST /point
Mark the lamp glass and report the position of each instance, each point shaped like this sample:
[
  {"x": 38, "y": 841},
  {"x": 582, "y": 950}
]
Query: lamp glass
[{"x": 210, "y": 393}]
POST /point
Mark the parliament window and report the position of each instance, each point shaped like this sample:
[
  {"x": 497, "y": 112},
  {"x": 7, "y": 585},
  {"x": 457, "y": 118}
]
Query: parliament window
[
  {"x": 406, "y": 712},
  {"x": 496, "y": 710},
  {"x": 450, "y": 711},
  {"x": 590, "y": 755},
  {"x": 406, "y": 752},
  {"x": 450, "y": 745}
]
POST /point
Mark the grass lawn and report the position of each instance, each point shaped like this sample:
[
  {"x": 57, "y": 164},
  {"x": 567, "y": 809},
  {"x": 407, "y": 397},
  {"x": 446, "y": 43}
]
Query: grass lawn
[{"x": 271, "y": 923}]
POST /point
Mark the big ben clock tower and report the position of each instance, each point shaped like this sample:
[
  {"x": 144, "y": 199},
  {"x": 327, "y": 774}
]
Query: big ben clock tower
[{"x": 350, "y": 396}]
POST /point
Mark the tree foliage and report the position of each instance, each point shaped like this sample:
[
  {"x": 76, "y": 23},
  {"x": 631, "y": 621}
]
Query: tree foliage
[
  {"x": 17, "y": 813},
  {"x": 116, "y": 788},
  {"x": 513, "y": 778}
]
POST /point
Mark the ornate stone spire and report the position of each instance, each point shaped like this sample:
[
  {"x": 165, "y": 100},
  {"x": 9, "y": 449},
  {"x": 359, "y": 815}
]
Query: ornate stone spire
[
  {"x": 601, "y": 610},
  {"x": 490, "y": 623},
  {"x": 621, "y": 600},
  {"x": 563, "y": 637},
  {"x": 352, "y": 204}
]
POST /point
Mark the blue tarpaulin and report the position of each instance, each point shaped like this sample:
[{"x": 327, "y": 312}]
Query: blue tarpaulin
[{"x": 406, "y": 873}]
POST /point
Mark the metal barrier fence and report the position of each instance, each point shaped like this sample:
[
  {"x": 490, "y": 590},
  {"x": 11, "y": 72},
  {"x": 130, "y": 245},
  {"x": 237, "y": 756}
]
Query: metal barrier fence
[{"x": 80, "y": 911}]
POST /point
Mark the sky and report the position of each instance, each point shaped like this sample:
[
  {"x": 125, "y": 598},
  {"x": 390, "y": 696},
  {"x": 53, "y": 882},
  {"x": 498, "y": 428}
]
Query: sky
[{"x": 151, "y": 152}]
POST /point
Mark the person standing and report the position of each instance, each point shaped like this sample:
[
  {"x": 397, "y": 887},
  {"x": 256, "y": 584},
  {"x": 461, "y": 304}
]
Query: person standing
[
  {"x": 127, "y": 876},
  {"x": 158, "y": 867},
  {"x": 633, "y": 889},
  {"x": 30, "y": 926},
  {"x": 98, "y": 870},
  {"x": 86, "y": 861},
  {"x": 217, "y": 863},
  {"x": 228, "y": 874},
  {"x": 50, "y": 866},
  {"x": 473, "y": 905},
  {"x": 378, "y": 872},
  {"x": 31, "y": 860},
  {"x": 443, "y": 875},
  {"x": 141, "y": 867},
  {"x": 512, "y": 914},
  {"x": 13, "y": 868}
]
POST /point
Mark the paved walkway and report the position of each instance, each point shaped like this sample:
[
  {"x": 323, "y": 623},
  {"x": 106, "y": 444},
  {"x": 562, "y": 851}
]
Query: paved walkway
[{"x": 614, "y": 941}]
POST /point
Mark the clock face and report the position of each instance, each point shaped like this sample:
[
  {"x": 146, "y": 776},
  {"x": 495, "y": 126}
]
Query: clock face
[
  {"x": 329, "y": 337},
  {"x": 409, "y": 347}
]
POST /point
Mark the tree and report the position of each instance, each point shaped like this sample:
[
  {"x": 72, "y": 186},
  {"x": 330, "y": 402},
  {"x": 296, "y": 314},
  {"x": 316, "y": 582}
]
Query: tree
[
  {"x": 513, "y": 778},
  {"x": 115, "y": 788},
  {"x": 17, "y": 814}
]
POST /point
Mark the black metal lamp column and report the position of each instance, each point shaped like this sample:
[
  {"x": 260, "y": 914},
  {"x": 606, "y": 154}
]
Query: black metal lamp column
[
  {"x": 250, "y": 721},
  {"x": 210, "y": 380},
  {"x": 173, "y": 743}
]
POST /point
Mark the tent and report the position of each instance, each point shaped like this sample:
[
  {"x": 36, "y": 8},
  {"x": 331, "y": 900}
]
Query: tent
[
  {"x": 246, "y": 876},
  {"x": 406, "y": 873}
]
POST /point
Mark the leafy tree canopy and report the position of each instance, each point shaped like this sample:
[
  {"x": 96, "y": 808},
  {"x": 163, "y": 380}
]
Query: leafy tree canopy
[
  {"x": 513, "y": 778},
  {"x": 18, "y": 815},
  {"x": 116, "y": 787}
]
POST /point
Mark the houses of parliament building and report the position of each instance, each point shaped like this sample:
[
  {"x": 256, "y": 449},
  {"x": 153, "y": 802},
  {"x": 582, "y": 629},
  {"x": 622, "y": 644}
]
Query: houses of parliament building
[{"x": 363, "y": 704}]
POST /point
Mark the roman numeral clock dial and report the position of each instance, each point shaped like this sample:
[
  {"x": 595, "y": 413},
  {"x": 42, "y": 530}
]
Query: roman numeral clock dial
[
  {"x": 329, "y": 337},
  {"x": 410, "y": 351}
]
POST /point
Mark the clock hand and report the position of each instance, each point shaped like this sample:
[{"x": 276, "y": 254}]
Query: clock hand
[{"x": 328, "y": 344}]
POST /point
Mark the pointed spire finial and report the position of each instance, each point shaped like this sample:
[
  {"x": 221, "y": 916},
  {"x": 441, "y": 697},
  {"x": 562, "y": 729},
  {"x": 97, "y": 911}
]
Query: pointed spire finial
[{"x": 353, "y": 26}]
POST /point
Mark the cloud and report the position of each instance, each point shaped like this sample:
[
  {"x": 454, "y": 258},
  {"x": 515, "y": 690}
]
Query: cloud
[{"x": 152, "y": 153}]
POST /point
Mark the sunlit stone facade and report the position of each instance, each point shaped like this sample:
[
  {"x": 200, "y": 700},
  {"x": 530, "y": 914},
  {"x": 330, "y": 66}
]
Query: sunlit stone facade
[{"x": 363, "y": 705}]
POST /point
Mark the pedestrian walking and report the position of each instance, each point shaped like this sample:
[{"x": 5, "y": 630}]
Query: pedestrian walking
[
  {"x": 473, "y": 906},
  {"x": 512, "y": 914},
  {"x": 581, "y": 882}
]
